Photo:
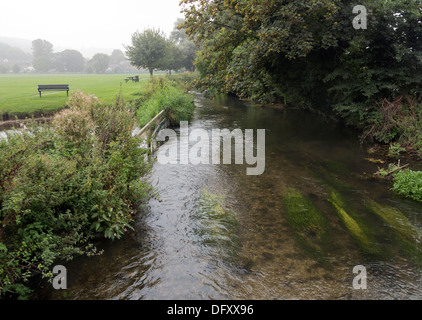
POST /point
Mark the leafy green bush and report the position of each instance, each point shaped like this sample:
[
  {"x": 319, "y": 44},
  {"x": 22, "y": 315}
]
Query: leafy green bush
[
  {"x": 64, "y": 183},
  {"x": 409, "y": 184},
  {"x": 177, "y": 104},
  {"x": 153, "y": 85}
]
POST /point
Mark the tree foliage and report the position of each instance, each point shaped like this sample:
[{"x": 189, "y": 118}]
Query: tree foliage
[
  {"x": 174, "y": 57},
  {"x": 148, "y": 50},
  {"x": 117, "y": 56},
  {"x": 309, "y": 52},
  {"x": 69, "y": 61},
  {"x": 153, "y": 50},
  {"x": 99, "y": 63},
  {"x": 42, "y": 52},
  {"x": 381, "y": 63},
  {"x": 187, "y": 48}
]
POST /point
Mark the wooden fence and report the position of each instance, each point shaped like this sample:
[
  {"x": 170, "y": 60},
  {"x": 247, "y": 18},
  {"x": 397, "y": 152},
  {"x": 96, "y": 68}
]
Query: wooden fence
[{"x": 150, "y": 130}]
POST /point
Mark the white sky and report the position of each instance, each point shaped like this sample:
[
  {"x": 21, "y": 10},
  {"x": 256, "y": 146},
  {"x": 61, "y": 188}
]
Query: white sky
[{"x": 81, "y": 24}]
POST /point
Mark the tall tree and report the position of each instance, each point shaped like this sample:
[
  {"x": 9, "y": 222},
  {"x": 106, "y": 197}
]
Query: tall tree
[
  {"x": 42, "y": 52},
  {"x": 148, "y": 50},
  {"x": 117, "y": 56},
  {"x": 16, "y": 68},
  {"x": 187, "y": 48},
  {"x": 174, "y": 59},
  {"x": 99, "y": 63},
  {"x": 69, "y": 61}
]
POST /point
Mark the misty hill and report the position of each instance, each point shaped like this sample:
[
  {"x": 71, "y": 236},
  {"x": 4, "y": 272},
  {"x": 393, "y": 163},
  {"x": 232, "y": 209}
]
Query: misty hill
[
  {"x": 13, "y": 54},
  {"x": 24, "y": 44}
]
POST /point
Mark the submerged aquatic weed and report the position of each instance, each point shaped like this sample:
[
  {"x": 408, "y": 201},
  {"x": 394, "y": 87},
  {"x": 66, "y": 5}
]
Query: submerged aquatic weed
[
  {"x": 308, "y": 223},
  {"x": 216, "y": 226},
  {"x": 395, "y": 219},
  {"x": 358, "y": 229},
  {"x": 407, "y": 235}
]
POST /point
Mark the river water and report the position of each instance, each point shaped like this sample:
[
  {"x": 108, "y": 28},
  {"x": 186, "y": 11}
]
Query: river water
[{"x": 218, "y": 233}]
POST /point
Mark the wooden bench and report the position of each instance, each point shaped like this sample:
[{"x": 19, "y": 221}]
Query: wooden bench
[
  {"x": 134, "y": 79},
  {"x": 53, "y": 87}
]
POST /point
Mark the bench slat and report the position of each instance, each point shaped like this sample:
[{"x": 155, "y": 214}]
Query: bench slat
[{"x": 54, "y": 86}]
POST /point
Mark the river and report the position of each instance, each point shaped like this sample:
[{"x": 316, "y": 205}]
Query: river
[{"x": 218, "y": 233}]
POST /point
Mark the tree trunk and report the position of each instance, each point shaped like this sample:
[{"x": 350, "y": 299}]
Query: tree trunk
[{"x": 151, "y": 71}]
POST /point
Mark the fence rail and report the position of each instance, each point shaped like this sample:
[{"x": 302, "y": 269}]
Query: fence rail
[{"x": 150, "y": 130}]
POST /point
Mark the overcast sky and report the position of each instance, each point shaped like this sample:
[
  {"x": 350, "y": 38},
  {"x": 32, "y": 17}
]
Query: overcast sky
[{"x": 85, "y": 23}]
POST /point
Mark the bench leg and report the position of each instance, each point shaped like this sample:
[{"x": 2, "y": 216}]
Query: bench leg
[
  {"x": 40, "y": 93},
  {"x": 67, "y": 92}
]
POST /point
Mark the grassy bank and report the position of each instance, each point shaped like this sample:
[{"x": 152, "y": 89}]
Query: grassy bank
[{"x": 168, "y": 94}]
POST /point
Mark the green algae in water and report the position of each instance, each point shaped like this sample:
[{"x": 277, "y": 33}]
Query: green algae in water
[
  {"x": 216, "y": 226},
  {"x": 308, "y": 223},
  {"x": 407, "y": 236},
  {"x": 359, "y": 230}
]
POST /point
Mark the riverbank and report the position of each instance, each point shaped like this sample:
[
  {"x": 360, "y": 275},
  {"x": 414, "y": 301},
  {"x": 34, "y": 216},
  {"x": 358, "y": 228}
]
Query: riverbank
[
  {"x": 16, "y": 120},
  {"x": 8, "y": 117},
  {"x": 65, "y": 183}
]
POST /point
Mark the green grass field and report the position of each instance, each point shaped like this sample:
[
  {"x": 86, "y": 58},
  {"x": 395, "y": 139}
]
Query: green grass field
[{"x": 19, "y": 92}]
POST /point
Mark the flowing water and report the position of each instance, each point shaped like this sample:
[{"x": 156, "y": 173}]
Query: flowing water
[{"x": 218, "y": 233}]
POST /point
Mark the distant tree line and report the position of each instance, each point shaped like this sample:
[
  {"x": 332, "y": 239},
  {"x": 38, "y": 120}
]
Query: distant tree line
[
  {"x": 150, "y": 50},
  {"x": 45, "y": 60}
]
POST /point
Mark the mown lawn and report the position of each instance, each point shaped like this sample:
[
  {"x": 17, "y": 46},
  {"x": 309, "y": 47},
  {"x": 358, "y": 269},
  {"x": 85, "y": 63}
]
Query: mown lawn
[{"x": 19, "y": 92}]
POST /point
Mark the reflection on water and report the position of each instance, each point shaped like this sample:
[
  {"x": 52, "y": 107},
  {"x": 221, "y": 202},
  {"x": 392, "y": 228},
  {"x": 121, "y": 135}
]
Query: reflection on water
[{"x": 218, "y": 233}]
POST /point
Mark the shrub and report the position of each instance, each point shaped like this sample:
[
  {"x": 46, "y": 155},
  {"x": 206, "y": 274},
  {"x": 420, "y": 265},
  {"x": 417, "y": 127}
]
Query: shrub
[
  {"x": 409, "y": 184},
  {"x": 153, "y": 85},
  {"x": 64, "y": 183},
  {"x": 399, "y": 121},
  {"x": 177, "y": 104},
  {"x": 185, "y": 80}
]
